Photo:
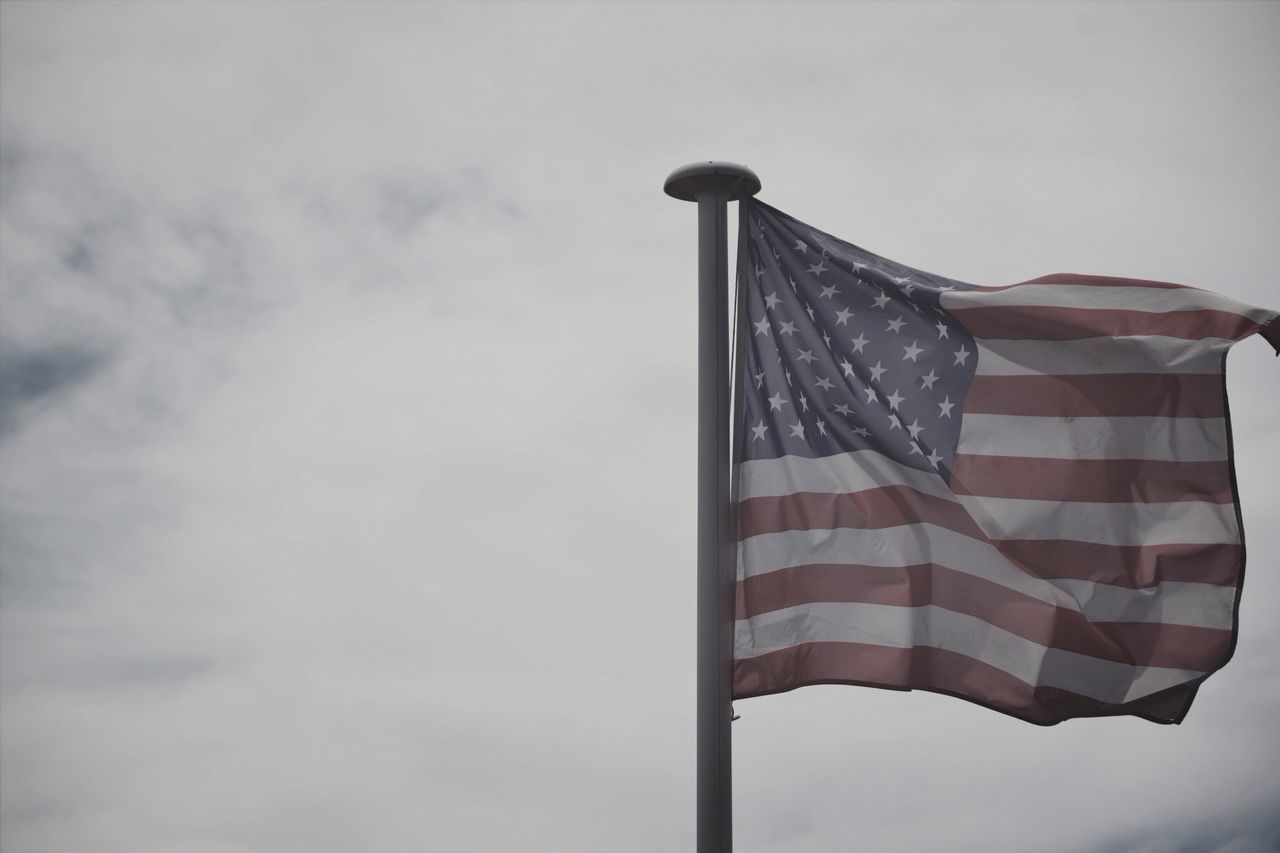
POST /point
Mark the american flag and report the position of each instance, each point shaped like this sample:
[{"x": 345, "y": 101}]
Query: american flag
[{"x": 1022, "y": 496}]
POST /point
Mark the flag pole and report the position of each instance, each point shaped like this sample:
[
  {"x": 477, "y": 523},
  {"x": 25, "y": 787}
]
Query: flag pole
[{"x": 712, "y": 185}]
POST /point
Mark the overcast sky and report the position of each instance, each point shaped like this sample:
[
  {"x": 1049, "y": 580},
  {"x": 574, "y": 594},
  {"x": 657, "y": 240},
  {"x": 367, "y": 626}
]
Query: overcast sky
[{"x": 347, "y": 409}]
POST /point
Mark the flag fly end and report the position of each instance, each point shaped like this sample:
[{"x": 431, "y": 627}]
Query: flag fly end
[{"x": 1270, "y": 332}]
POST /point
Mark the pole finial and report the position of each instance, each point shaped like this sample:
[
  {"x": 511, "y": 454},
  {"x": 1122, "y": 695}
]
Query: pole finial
[{"x": 737, "y": 182}]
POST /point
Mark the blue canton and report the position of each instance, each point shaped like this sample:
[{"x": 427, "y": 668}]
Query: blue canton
[{"x": 846, "y": 350}]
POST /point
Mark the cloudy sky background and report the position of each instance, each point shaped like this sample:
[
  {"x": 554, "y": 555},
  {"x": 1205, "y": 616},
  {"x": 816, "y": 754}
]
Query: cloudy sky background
[{"x": 347, "y": 410}]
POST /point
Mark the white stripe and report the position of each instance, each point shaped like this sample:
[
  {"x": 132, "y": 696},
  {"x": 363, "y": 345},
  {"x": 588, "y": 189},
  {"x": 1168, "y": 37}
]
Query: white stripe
[
  {"x": 843, "y": 472},
  {"x": 1115, "y": 297},
  {"x": 1179, "y": 603},
  {"x": 1105, "y": 523},
  {"x": 1131, "y": 354},
  {"x": 1172, "y": 439},
  {"x": 1204, "y": 605},
  {"x": 939, "y": 628}
]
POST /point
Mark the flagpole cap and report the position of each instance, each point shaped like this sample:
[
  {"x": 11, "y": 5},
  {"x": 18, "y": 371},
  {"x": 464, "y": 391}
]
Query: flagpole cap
[{"x": 735, "y": 181}]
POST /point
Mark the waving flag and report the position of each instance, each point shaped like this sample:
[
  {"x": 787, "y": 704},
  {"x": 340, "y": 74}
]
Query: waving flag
[{"x": 1022, "y": 496}]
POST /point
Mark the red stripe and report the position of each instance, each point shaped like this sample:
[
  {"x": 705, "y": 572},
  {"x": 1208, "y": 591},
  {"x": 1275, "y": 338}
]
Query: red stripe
[
  {"x": 1098, "y": 395},
  {"x": 870, "y": 509},
  {"x": 936, "y": 670},
  {"x": 1098, "y": 280},
  {"x": 1103, "y": 480},
  {"x": 1133, "y": 566},
  {"x": 1046, "y": 323},
  {"x": 1103, "y": 281},
  {"x": 1136, "y": 643}
]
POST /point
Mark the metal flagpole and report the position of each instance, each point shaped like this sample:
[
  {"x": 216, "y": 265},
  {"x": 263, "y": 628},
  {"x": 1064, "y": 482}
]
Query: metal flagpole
[{"x": 712, "y": 185}]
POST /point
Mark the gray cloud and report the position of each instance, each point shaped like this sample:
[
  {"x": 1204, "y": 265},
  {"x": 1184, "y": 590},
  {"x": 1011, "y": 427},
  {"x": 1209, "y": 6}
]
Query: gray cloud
[
  {"x": 346, "y": 362},
  {"x": 1251, "y": 830},
  {"x": 28, "y": 380}
]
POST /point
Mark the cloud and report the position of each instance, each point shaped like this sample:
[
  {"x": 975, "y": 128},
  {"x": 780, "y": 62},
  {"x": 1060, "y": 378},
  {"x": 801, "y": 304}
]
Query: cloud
[
  {"x": 29, "y": 379},
  {"x": 1255, "y": 829},
  {"x": 346, "y": 360}
]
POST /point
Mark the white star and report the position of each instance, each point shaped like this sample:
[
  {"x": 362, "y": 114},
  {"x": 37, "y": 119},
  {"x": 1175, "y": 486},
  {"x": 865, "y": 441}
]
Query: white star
[
  {"x": 942, "y": 331},
  {"x": 876, "y": 371},
  {"x": 824, "y": 383},
  {"x": 903, "y": 280},
  {"x": 915, "y": 429},
  {"x": 787, "y": 328},
  {"x": 913, "y": 352},
  {"x": 915, "y": 450},
  {"x": 862, "y": 431},
  {"x": 759, "y": 429},
  {"x": 894, "y": 423},
  {"x": 858, "y": 266},
  {"x": 934, "y": 457},
  {"x": 829, "y": 291},
  {"x": 906, "y": 291},
  {"x": 961, "y": 356},
  {"x": 822, "y": 427},
  {"x": 804, "y": 403},
  {"x": 844, "y": 409},
  {"x": 826, "y": 339},
  {"x": 809, "y": 308},
  {"x": 801, "y": 247},
  {"x": 771, "y": 300},
  {"x": 895, "y": 325},
  {"x": 858, "y": 343},
  {"x": 776, "y": 256},
  {"x": 881, "y": 300},
  {"x": 762, "y": 328},
  {"x": 871, "y": 394},
  {"x": 929, "y": 378},
  {"x": 842, "y": 316},
  {"x": 846, "y": 367},
  {"x": 776, "y": 402},
  {"x": 792, "y": 282},
  {"x": 894, "y": 399},
  {"x": 946, "y": 406},
  {"x": 760, "y": 379},
  {"x": 797, "y": 431},
  {"x": 819, "y": 268},
  {"x": 787, "y": 373},
  {"x": 759, "y": 271},
  {"x": 806, "y": 356}
]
